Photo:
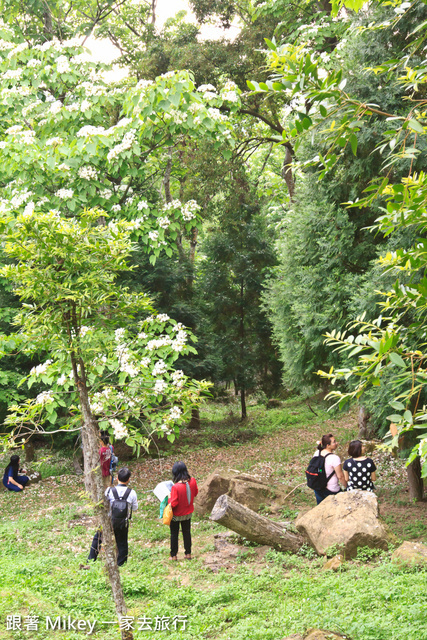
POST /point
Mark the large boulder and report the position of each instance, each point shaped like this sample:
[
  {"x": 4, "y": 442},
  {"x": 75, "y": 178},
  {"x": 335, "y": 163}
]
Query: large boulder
[
  {"x": 414, "y": 553},
  {"x": 345, "y": 521},
  {"x": 242, "y": 487},
  {"x": 215, "y": 485},
  {"x": 252, "y": 492}
]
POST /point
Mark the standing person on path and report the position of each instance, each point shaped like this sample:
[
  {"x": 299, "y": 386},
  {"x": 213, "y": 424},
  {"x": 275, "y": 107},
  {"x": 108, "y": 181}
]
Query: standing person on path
[
  {"x": 11, "y": 480},
  {"x": 120, "y": 532},
  {"x": 181, "y": 500},
  {"x": 333, "y": 469},
  {"x": 359, "y": 471}
]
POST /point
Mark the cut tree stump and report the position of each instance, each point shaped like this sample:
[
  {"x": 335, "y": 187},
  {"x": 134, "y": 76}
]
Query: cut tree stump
[{"x": 247, "y": 523}]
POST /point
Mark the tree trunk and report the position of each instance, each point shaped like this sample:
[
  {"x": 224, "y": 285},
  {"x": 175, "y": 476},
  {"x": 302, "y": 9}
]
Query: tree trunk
[
  {"x": 416, "y": 484},
  {"x": 30, "y": 454},
  {"x": 243, "y": 403},
  {"x": 94, "y": 487},
  {"x": 287, "y": 173},
  {"x": 362, "y": 421},
  {"x": 247, "y": 523},
  {"x": 195, "y": 419}
]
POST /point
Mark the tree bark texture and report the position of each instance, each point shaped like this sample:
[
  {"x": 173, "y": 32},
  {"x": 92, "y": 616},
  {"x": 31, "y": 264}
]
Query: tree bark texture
[
  {"x": 251, "y": 525},
  {"x": 416, "y": 484},
  {"x": 94, "y": 487},
  {"x": 195, "y": 418},
  {"x": 362, "y": 421},
  {"x": 287, "y": 173}
]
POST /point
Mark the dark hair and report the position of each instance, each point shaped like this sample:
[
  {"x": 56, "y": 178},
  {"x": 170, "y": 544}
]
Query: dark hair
[
  {"x": 355, "y": 449},
  {"x": 105, "y": 440},
  {"x": 326, "y": 440},
  {"x": 123, "y": 475},
  {"x": 14, "y": 463},
  {"x": 180, "y": 472}
]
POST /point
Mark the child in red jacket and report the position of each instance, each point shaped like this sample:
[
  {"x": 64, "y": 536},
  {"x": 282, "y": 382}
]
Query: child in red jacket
[{"x": 181, "y": 500}]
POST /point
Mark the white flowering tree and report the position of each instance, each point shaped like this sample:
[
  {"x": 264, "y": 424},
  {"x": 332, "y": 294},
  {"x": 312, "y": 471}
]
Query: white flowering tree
[
  {"x": 104, "y": 371},
  {"x": 71, "y": 142}
]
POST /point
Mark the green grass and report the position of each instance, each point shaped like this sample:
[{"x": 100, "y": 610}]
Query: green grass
[
  {"x": 261, "y": 597},
  {"x": 40, "y": 576}
]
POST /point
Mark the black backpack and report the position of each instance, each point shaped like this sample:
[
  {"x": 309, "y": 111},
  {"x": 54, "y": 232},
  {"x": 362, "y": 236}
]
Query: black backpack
[
  {"x": 316, "y": 474},
  {"x": 121, "y": 510}
]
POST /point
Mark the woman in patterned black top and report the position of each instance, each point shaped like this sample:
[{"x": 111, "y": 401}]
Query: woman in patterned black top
[{"x": 359, "y": 471}]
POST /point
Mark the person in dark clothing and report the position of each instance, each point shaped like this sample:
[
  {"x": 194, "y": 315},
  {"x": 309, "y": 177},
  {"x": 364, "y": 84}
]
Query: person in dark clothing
[
  {"x": 11, "y": 478},
  {"x": 181, "y": 500},
  {"x": 121, "y": 535}
]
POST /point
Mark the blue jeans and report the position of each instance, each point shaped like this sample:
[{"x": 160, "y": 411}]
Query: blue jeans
[{"x": 321, "y": 494}]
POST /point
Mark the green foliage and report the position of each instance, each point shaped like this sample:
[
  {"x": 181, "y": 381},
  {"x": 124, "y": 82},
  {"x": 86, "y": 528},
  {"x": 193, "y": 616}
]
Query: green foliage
[{"x": 65, "y": 274}]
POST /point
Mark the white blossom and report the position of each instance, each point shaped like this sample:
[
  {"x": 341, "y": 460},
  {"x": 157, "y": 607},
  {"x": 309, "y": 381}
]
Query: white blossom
[
  {"x": 15, "y": 129},
  {"x": 116, "y": 208},
  {"x": 178, "y": 378},
  {"x": 40, "y": 369},
  {"x": 163, "y": 317},
  {"x": 206, "y": 87},
  {"x": 29, "y": 209},
  {"x": 142, "y": 204},
  {"x": 64, "y": 194},
  {"x": 33, "y": 63},
  {"x": 45, "y": 397},
  {"x": 12, "y": 74},
  {"x": 54, "y": 142},
  {"x": 158, "y": 343},
  {"x": 62, "y": 379},
  {"x": 189, "y": 210},
  {"x": 85, "y": 106},
  {"x": 153, "y": 235},
  {"x": 230, "y": 96},
  {"x": 62, "y": 64},
  {"x": 159, "y": 368},
  {"x": 55, "y": 107},
  {"x": 163, "y": 222},
  {"x": 175, "y": 413},
  {"x": 127, "y": 142},
  {"x": 74, "y": 106},
  {"x": 90, "y": 130},
  {"x": 88, "y": 173},
  {"x": 180, "y": 341},
  {"x": 120, "y": 431},
  {"x": 160, "y": 386},
  {"x": 174, "y": 204},
  {"x": 119, "y": 334}
]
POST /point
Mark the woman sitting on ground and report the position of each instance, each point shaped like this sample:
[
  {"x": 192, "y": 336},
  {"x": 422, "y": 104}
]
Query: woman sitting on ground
[
  {"x": 359, "y": 471},
  {"x": 181, "y": 500},
  {"x": 11, "y": 480}
]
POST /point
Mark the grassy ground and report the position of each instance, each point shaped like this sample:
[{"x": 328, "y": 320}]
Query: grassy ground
[{"x": 250, "y": 593}]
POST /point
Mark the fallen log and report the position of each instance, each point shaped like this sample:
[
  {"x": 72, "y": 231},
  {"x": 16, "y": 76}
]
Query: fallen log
[{"x": 252, "y": 526}]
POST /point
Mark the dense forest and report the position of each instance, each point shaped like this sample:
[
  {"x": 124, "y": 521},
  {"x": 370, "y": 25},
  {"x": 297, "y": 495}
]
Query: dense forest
[
  {"x": 274, "y": 182},
  {"x": 244, "y": 215}
]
